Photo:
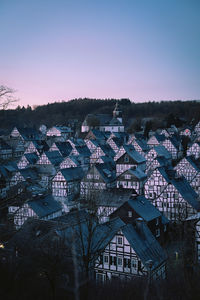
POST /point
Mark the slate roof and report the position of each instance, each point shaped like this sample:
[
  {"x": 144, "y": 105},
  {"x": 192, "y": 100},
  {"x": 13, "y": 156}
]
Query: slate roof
[
  {"x": 144, "y": 146},
  {"x": 54, "y": 157},
  {"x": 187, "y": 192},
  {"x": 135, "y": 155},
  {"x": 106, "y": 171},
  {"x": 83, "y": 150},
  {"x": 65, "y": 148},
  {"x": 72, "y": 174},
  {"x": 31, "y": 157},
  {"x": 144, "y": 208},
  {"x": 29, "y": 133},
  {"x": 98, "y": 134},
  {"x": 104, "y": 119},
  {"x": 138, "y": 173},
  {"x": 162, "y": 151},
  {"x": 144, "y": 244},
  {"x": 160, "y": 137},
  {"x": 44, "y": 206}
]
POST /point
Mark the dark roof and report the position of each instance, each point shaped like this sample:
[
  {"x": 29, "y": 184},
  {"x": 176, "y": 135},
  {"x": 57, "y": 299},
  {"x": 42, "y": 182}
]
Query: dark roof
[
  {"x": 138, "y": 173},
  {"x": 72, "y": 174},
  {"x": 144, "y": 208},
  {"x": 135, "y": 155},
  {"x": 54, "y": 157},
  {"x": 44, "y": 206},
  {"x": 187, "y": 192},
  {"x": 106, "y": 171},
  {"x": 65, "y": 148},
  {"x": 31, "y": 157},
  {"x": 144, "y": 243},
  {"x": 162, "y": 152}
]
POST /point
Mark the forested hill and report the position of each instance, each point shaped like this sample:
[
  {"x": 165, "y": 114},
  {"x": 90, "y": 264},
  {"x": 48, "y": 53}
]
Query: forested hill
[{"x": 59, "y": 113}]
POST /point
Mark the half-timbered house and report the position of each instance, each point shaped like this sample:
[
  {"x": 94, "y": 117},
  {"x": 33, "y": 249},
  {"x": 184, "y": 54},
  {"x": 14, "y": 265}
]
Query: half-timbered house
[
  {"x": 155, "y": 140},
  {"x": 132, "y": 178},
  {"x": 27, "y": 160},
  {"x": 194, "y": 150},
  {"x": 64, "y": 148},
  {"x": 153, "y": 154},
  {"x": 129, "y": 159},
  {"x": 139, "y": 207},
  {"x": 172, "y": 195},
  {"x": 99, "y": 177},
  {"x": 41, "y": 207},
  {"x": 66, "y": 185},
  {"x": 127, "y": 251}
]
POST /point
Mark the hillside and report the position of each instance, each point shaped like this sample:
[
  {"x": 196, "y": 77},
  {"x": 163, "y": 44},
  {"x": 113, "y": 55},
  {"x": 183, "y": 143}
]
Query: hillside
[{"x": 62, "y": 112}]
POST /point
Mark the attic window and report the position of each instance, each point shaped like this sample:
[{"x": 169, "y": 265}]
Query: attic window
[
  {"x": 126, "y": 158},
  {"x": 130, "y": 214},
  {"x": 119, "y": 241},
  {"x": 45, "y": 203}
]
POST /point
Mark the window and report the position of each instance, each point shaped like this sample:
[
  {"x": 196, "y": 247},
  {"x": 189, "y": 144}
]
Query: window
[
  {"x": 157, "y": 232},
  {"x": 134, "y": 263},
  {"x": 119, "y": 261},
  {"x": 130, "y": 214},
  {"x": 157, "y": 221},
  {"x": 106, "y": 259},
  {"x": 119, "y": 241},
  {"x": 127, "y": 176},
  {"x": 165, "y": 228},
  {"x": 113, "y": 260},
  {"x": 127, "y": 263}
]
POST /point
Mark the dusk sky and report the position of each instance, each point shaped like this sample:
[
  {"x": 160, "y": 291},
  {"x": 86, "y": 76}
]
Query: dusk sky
[{"x": 144, "y": 50}]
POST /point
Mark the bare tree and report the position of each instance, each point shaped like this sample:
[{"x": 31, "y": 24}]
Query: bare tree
[{"x": 6, "y": 96}]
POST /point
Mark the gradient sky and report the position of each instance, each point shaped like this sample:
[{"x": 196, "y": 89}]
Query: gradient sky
[{"x": 53, "y": 50}]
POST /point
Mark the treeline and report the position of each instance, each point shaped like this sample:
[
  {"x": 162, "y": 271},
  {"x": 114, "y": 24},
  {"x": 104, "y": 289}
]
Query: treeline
[{"x": 60, "y": 113}]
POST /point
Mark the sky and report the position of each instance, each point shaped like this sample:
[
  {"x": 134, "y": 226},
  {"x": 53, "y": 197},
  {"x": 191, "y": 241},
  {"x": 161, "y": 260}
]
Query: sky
[{"x": 57, "y": 50}]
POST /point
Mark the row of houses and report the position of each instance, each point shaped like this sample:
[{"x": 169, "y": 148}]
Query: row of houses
[{"x": 135, "y": 186}]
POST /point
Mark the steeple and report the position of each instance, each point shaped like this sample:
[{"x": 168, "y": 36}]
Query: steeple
[{"x": 117, "y": 113}]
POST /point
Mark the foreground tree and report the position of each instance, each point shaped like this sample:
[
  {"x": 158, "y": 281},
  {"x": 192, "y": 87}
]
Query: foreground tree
[{"x": 6, "y": 96}]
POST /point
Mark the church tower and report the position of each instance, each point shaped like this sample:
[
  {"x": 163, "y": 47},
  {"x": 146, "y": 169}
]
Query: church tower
[{"x": 117, "y": 113}]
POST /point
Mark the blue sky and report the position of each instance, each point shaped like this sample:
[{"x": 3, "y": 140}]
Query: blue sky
[{"x": 144, "y": 50}]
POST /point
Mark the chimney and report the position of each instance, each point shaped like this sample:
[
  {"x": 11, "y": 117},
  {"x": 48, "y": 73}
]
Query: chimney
[
  {"x": 134, "y": 195},
  {"x": 140, "y": 227}
]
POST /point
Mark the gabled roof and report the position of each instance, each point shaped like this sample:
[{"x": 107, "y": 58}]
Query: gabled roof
[
  {"x": 144, "y": 244},
  {"x": 106, "y": 171},
  {"x": 187, "y": 192},
  {"x": 136, "y": 156},
  {"x": 54, "y": 157},
  {"x": 138, "y": 173},
  {"x": 143, "y": 144},
  {"x": 115, "y": 122},
  {"x": 44, "y": 206},
  {"x": 144, "y": 208},
  {"x": 72, "y": 174},
  {"x": 31, "y": 157},
  {"x": 63, "y": 129},
  {"x": 162, "y": 151},
  {"x": 107, "y": 149},
  {"x": 29, "y": 133},
  {"x": 65, "y": 148},
  {"x": 29, "y": 174},
  {"x": 160, "y": 137},
  {"x": 83, "y": 150}
]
